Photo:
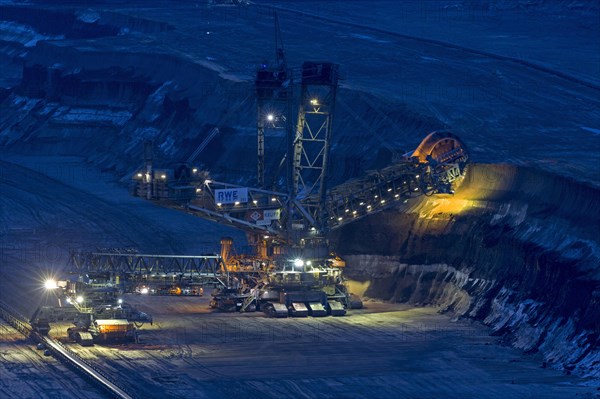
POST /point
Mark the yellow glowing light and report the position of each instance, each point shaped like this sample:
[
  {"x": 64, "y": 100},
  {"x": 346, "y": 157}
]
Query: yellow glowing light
[{"x": 449, "y": 206}]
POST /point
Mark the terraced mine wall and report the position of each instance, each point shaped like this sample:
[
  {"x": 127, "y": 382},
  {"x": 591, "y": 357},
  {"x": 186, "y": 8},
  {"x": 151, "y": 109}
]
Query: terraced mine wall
[
  {"x": 515, "y": 248},
  {"x": 80, "y": 98}
]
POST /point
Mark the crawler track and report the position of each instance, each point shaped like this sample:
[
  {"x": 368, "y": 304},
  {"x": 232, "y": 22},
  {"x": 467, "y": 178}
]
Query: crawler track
[{"x": 63, "y": 354}]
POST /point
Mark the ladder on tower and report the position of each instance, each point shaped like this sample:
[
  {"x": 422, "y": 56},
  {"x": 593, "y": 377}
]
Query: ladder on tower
[
  {"x": 248, "y": 301},
  {"x": 254, "y": 293}
]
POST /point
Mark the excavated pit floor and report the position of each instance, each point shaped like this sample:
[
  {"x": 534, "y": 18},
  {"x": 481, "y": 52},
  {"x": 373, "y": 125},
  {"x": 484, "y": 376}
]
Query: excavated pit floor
[{"x": 385, "y": 351}]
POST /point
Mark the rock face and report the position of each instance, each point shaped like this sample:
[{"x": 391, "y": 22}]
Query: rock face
[{"x": 515, "y": 248}]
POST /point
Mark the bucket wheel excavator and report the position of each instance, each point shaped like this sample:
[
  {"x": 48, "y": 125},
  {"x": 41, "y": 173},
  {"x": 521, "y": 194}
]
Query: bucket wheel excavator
[{"x": 292, "y": 271}]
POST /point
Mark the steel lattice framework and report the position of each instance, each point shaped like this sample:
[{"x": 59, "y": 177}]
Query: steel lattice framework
[
  {"x": 127, "y": 264},
  {"x": 313, "y": 135},
  {"x": 274, "y": 97}
]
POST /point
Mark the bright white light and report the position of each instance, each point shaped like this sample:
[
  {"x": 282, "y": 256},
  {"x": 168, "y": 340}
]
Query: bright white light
[
  {"x": 119, "y": 301},
  {"x": 314, "y": 101},
  {"x": 163, "y": 176},
  {"x": 417, "y": 176},
  {"x": 397, "y": 195},
  {"x": 144, "y": 290},
  {"x": 383, "y": 201},
  {"x": 218, "y": 204},
  {"x": 207, "y": 181},
  {"x": 270, "y": 117},
  {"x": 195, "y": 170},
  {"x": 198, "y": 190},
  {"x": 273, "y": 199},
  {"x": 308, "y": 263},
  {"x": 298, "y": 262},
  {"x": 354, "y": 212},
  {"x": 68, "y": 300},
  {"x": 340, "y": 218},
  {"x": 255, "y": 202},
  {"x": 236, "y": 203},
  {"x": 50, "y": 284},
  {"x": 362, "y": 203},
  {"x": 265, "y": 237},
  {"x": 139, "y": 175},
  {"x": 389, "y": 189},
  {"x": 347, "y": 210},
  {"x": 79, "y": 299}
]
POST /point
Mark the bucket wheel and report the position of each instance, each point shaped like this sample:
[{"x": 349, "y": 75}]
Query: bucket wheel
[
  {"x": 441, "y": 147},
  {"x": 446, "y": 156}
]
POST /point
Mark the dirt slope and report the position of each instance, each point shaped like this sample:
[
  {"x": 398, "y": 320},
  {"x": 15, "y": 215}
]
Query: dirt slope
[{"x": 515, "y": 247}]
